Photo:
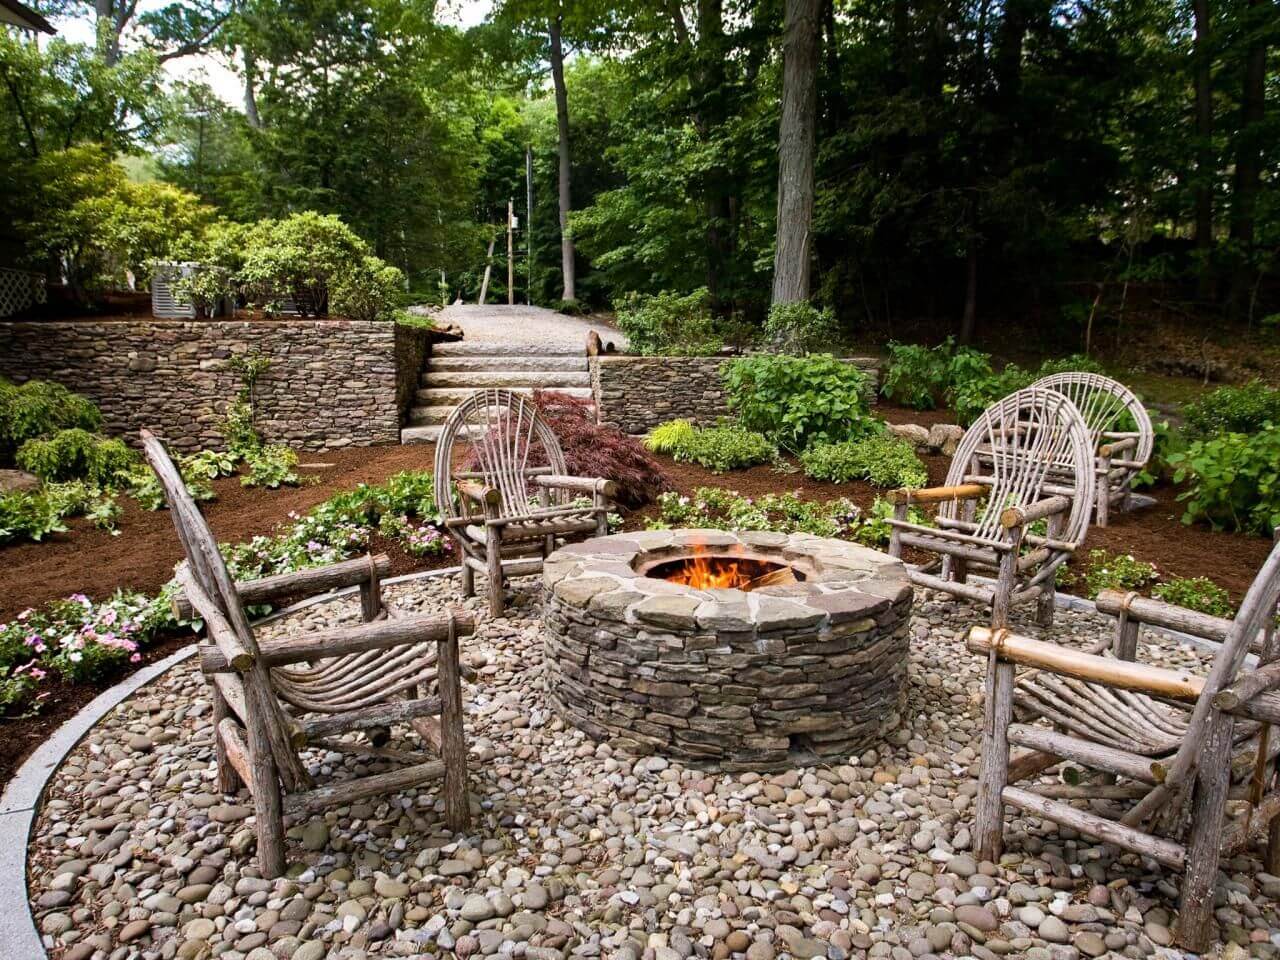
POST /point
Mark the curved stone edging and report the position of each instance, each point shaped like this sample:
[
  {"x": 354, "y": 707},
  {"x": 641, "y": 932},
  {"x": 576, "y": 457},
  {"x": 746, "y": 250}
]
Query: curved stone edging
[{"x": 20, "y": 802}]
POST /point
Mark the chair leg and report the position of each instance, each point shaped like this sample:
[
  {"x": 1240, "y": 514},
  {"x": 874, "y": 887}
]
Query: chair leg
[
  {"x": 895, "y": 534},
  {"x": 228, "y": 779},
  {"x": 1045, "y": 603},
  {"x": 267, "y": 802},
  {"x": 1208, "y": 806},
  {"x": 1104, "y": 492},
  {"x": 493, "y": 559},
  {"x": 468, "y": 576},
  {"x": 988, "y": 819},
  {"x": 453, "y": 743},
  {"x": 1005, "y": 581}
]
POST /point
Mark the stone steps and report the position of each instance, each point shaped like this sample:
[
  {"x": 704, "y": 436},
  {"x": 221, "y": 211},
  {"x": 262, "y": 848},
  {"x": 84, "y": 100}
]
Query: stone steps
[
  {"x": 543, "y": 379},
  {"x": 464, "y": 348},
  {"x": 500, "y": 364}
]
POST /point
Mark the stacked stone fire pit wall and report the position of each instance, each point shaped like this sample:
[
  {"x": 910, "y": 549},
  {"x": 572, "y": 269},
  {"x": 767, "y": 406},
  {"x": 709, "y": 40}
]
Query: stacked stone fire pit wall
[
  {"x": 331, "y": 383},
  {"x": 635, "y": 394},
  {"x": 740, "y": 681}
]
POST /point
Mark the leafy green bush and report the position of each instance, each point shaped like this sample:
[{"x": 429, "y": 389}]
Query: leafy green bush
[
  {"x": 800, "y": 327},
  {"x": 1107, "y": 571},
  {"x": 367, "y": 290},
  {"x": 144, "y": 486},
  {"x": 30, "y": 516},
  {"x": 670, "y": 436},
  {"x": 299, "y": 259},
  {"x": 208, "y": 465},
  {"x": 204, "y": 286},
  {"x": 1077, "y": 362},
  {"x": 38, "y": 408},
  {"x": 916, "y": 376},
  {"x": 725, "y": 447},
  {"x": 1196, "y": 593},
  {"x": 76, "y": 454},
  {"x": 973, "y": 392},
  {"x": 570, "y": 308},
  {"x": 1166, "y": 442},
  {"x": 668, "y": 324},
  {"x": 272, "y": 466},
  {"x": 882, "y": 460},
  {"x": 1234, "y": 480},
  {"x": 1242, "y": 409},
  {"x": 796, "y": 401}
]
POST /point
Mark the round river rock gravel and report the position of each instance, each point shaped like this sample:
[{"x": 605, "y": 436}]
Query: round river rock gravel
[{"x": 578, "y": 850}]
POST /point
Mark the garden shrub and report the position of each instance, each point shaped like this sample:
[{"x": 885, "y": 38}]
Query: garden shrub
[
  {"x": 915, "y": 375},
  {"x": 595, "y": 450},
  {"x": 668, "y": 324},
  {"x": 570, "y": 308},
  {"x": 670, "y": 436},
  {"x": 1196, "y": 593},
  {"x": 144, "y": 486},
  {"x": 76, "y": 454},
  {"x": 367, "y": 290},
  {"x": 881, "y": 460},
  {"x": 38, "y": 408},
  {"x": 271, "y": 466},
  {"x": 1107, "y": 571},
  {"x": 977, "y": 388},
  {"x": 1166, "y": 442},
  {"x": 30, "y": 516},
  {"x": 1234, "y": 480},
  {"x": 800, "y": 327},
  {"x": 204, "y": 286},
  {"x": 299, "y": 259},
  {"x": 726, "y": 446},
  {"x": 796, "y": 401},
  {"x": 1077, "y": 362},
  {"x": 1242, "y": 409},
  {"x": 208, "y": 465}
]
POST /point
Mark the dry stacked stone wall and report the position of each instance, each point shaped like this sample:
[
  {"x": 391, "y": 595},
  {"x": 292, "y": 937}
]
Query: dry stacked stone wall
[
  {"x": 331, "y": 383},
  {"x": 738, "y": 681},
  {"x": 635, "y": 394}
]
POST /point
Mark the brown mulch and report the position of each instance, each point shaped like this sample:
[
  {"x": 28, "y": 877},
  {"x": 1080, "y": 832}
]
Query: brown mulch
[{"x": 142, "y": 557}]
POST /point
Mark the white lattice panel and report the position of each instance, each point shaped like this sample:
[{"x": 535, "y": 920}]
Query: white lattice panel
[{"x": 19, "y": 290}]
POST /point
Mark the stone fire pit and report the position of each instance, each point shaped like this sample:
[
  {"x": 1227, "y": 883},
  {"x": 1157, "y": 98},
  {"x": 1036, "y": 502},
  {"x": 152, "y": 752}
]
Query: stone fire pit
[{"x": 740, "y": 680}]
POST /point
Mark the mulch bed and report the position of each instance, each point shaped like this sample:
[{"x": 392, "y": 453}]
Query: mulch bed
[{"x": 93, "y": 562}]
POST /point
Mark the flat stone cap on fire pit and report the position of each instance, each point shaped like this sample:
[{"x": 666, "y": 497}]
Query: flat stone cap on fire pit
[{"x": 740, "y": 679}]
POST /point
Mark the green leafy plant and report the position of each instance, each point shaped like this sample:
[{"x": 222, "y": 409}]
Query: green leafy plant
[
  {"x": 209, "y": 464},
  {"x": 1242, "y": 409},
  {"x": 724, "y": 447},
  {"x": 1166, "y": 442},
  {"x": 799, "y": 327},
  {"x": 205, "y": 286},
  {"x": 76, "y": 454},
  {"x": 143, "y": 485},
  {"x": 1196, "y": 593},
  {"x": 570, "y": 308},
  {"x": 272, "y": 466},
  {"x": 1076, "y": 362},
  {"x": 796, "y": 401},
  {"x": 38, "y": 408},
  {"x": 916, "y": 376},
  {"x": 1234, "y": 480},
  {"x": 668, "y": 324},
  {"x": 367, "y": 290},
  {"x": 670, "y": 436},
  {"x": 30, "y": 516},
  {"x": 299, "y": 260},
  {"x": 1108, "y": 571},
  {"x": 882, "y": 460},
  {"x": 239, "y": 428},
  {"x": 972, "y": 391}
]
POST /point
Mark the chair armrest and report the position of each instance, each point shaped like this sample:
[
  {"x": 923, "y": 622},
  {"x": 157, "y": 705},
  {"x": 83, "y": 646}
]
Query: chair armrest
[
  {"x": 357, "y": 638},
  {"x": 489, "y": 496},
  {"x": 1157, "y": 613},
  {"x": 1064, "y": 661},
  {"x": 1248, "y": 686},
  {"x": 1031, "y": 512},
  {"x": 1111, "y": 448},
  {"x": 965, "y": 491},
  {"x": 313, "y": 581},
  {"x": 587, "y": 485}
]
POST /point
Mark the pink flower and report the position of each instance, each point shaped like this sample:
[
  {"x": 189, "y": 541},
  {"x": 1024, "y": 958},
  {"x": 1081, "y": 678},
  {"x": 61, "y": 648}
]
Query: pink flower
[{"x": 136, "y": 658}]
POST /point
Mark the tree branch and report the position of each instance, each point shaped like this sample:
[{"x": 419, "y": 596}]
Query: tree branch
[{"x": 198, "y": 44}]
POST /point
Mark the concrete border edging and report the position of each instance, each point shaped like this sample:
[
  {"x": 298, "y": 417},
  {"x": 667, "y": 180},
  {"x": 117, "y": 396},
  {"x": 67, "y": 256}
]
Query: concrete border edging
[{"x": 20, "y": 802}]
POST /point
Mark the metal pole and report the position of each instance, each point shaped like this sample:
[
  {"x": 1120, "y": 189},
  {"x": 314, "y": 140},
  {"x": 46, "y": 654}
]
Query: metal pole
[
  {"x": 511, "y": 262},
  {"x": 528, "y": 224}
]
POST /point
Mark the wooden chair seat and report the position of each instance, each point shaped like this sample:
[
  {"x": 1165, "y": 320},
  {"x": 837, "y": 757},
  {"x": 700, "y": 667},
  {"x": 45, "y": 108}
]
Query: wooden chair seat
[{"x": 1122, "y": 719}]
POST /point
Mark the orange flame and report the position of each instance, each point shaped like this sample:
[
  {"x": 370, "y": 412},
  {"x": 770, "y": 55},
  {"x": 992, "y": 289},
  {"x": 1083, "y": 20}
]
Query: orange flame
[{"x": 704, "y": 571}]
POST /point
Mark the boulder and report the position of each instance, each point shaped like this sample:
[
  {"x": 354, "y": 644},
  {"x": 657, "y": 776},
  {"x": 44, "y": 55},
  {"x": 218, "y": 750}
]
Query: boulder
[
  {"x": 14, "y": 480},
  {"x": 913, "y": 433},
  {"x": 945, "y": 437}
]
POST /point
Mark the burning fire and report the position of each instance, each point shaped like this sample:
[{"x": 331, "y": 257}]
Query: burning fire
[{"x": 703, "y": 571}]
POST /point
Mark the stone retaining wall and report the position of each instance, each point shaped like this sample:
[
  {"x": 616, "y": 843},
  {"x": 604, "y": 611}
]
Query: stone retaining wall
[
  {"x": 413, "y": 346},
  {"x": 331, "y": 383},
  {"x": 635, "y": 394}
]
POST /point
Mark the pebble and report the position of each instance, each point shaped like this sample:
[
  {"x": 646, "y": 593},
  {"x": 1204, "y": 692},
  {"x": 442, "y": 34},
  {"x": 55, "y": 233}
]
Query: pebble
[{"x": 580, "y": 850}]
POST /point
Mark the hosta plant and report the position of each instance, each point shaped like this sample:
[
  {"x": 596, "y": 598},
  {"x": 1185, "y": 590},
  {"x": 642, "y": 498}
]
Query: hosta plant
[{"x": 272, "y": 466}]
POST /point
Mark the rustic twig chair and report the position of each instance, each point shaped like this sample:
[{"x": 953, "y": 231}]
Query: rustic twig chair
[
  {"x": 1185, "y": 748},
  {"x": 274, "y": 698},
  {"x": 1007, "y": 474},
  {"x": 1120, "y": 428},
  {"x": 514, "y": 496}
]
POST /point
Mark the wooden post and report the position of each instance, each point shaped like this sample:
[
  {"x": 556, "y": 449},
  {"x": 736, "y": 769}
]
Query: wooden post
[
  {"x": 493, "y": 560},
  {"x": 228, "y": 779},
  {"x": 488, "y": 269},
  {"x": 1208, "y": 804},
  {"x": 1048, "y": 589},
  {"x": 895, "y": 535},
  {"x": 453, "y": 744},
  {"x": 988, "y": 818},
  {"x": 511, "y": 262},
  {"x": 1005, "y": 581},
  {"x": 1104, "y": 490}
]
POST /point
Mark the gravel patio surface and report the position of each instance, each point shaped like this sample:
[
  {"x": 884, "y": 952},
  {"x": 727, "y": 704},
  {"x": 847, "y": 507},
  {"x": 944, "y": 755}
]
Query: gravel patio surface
[
  {"x": 526, "y": 325},
  {"x": 576, "y": 851}
]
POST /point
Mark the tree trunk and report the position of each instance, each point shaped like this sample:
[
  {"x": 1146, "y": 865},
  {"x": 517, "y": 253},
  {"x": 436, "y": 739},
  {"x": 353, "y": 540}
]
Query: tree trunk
[
  {"x": 1248, "y": 175},
  {"x": 108, "y": 40},
  {"x": 251, "y": 92},
  {"x": 707, "y": 81},
  {"x": 1204, "y": 147},
  {"x": 969, "y": 321},
  {"x": 796, "y": 145},
  {"x": 562, "y": 128}
]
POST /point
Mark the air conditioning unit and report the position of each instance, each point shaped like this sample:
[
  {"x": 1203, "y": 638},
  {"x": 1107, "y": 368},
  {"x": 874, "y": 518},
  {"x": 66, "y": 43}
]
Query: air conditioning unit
[{"x": 167, "y": 305}]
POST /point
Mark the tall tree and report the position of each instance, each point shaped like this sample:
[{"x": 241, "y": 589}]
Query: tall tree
[
  {"x": 797, "y": 140},
  {"x": 564, "y": 197},
  {"x": 1205, "y": 168},
  {"x": 1258, "y": 21}
]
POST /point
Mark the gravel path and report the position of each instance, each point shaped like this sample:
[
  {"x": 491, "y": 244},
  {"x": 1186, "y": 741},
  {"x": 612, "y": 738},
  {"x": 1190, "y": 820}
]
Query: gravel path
[
  {"x": 580, "y": 852},
  {"x": 521, "y": 325}
]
